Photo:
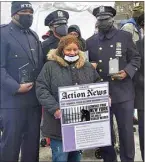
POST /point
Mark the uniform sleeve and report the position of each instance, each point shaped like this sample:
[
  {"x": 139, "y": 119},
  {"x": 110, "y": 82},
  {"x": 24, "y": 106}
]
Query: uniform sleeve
[
  {"x": 7, "y": 81},
  {"x": 42, "y": 57},
  {"x": 133, "y": 58},
  {"x": 45, "y": 49},
  {"x": 91, "y": 57},
  {"x": 43, "y": 90}
]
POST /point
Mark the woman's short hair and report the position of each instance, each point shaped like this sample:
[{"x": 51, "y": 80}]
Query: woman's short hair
[{"x": 65, "y": 41}]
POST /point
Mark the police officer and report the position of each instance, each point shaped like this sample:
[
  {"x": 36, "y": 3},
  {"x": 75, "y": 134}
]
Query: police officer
[
  {"x": 57, "y": 22},
  {"x": 116, "y": 46},
  {"x": 21, "y": 62}
]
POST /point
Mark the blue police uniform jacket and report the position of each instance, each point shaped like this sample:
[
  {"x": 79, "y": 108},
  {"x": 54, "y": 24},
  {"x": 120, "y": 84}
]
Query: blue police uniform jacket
[
  {"x": 115, "y": 44},
  {"x": 18, "y": 48}
]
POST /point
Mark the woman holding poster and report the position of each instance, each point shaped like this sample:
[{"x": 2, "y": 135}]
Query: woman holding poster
[{"x": 66, "y": 66}]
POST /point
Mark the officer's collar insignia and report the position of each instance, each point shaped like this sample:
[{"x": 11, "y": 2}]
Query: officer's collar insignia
[
  {"x": 60, "y": 14},
  {"x": 101, "y": 9}
]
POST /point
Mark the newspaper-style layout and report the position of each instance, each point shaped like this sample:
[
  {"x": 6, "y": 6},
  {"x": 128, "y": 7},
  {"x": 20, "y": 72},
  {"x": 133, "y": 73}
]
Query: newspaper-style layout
[{"x": 85, "y": 121}]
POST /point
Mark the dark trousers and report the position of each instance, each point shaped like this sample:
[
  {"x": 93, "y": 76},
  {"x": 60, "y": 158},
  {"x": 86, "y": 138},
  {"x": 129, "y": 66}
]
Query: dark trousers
[
  {"x": 21, "y": 130},
  {"x": 141, "y": 131},
  {"x": 124, "y": 114}
]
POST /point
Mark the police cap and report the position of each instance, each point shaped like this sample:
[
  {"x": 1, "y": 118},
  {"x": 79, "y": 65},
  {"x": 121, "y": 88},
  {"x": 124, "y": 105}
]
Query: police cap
[
  {"x": 104, "y": 12},
  {"x": 56, "y": 17}
]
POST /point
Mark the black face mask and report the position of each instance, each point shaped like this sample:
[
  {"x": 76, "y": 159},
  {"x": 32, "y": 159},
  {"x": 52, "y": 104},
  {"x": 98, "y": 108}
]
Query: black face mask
[
  {"x": 62, "y": 30},
  {"x": 26, "y": 20},
  {"x": 105, "y": 25}
]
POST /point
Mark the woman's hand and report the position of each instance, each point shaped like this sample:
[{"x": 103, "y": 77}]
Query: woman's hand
[{"x": 57, "y": 114}]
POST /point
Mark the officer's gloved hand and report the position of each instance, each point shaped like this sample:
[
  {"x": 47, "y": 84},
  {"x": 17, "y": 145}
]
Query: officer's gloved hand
[{"x": 25, "y": 87}]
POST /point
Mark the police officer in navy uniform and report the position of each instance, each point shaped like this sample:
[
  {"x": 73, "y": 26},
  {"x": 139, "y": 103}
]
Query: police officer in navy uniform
[
  {"x": 109, "y": 45},
  {"x": 57, "y": 22},
  {"x": 21, "y": 62}
]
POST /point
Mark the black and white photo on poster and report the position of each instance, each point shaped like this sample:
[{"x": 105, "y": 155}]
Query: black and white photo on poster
[{"x": 91, "y": 112}]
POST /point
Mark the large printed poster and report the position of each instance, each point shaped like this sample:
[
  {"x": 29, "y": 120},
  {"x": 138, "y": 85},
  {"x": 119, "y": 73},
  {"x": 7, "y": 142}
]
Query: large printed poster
[{"x": 85, "y": 121}]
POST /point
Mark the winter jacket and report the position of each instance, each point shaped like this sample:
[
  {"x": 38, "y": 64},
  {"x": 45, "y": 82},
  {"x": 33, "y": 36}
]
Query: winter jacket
[
  {"x": 56, "y": 73},
  {"x": 131, "y": 26}
]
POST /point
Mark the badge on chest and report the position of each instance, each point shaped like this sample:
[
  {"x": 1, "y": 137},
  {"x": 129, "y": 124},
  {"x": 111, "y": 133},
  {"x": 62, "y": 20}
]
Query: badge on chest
[{"x": 118, "y": 49}]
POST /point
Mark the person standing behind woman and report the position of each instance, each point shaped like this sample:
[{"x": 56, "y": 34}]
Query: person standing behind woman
[
  {"x": 75, "y": 30},
  {"x": 66, "y": 67},
  {"x": 57, "y": 23},
  {"x": 139, "y": 89}
]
